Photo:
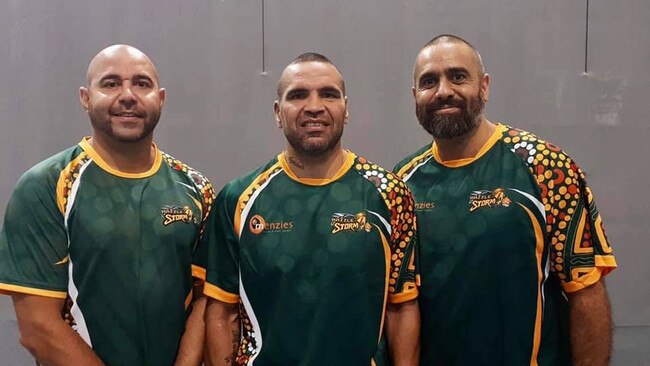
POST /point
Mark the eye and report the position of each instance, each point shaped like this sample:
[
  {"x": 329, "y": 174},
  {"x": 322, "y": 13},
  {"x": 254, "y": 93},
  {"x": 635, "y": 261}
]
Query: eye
[
  {"x": 143, "y": 84},
  {"x": 458, "y": 78},
  {"x": 427, "y": 82},
  {"x": 109, "y": 84},
  {"x": 296, "y": 95},
  {"x": 331, "y": 94}
]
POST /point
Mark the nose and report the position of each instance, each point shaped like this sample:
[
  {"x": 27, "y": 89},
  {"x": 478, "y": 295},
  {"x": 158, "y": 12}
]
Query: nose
[
  {"x": 314, "y": 106},
  {"x": 445, "y": 89},
  {"x": 127, "y": 97}
]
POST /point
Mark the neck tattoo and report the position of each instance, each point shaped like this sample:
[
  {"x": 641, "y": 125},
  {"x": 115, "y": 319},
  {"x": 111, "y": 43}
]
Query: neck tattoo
[{"x": 295, "y": 162}]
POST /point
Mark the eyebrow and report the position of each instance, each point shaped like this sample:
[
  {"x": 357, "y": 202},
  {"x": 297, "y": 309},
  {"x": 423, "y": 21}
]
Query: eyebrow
[
  {"x": 117, "y": 77},
  {"x": 330, "y": 89}
]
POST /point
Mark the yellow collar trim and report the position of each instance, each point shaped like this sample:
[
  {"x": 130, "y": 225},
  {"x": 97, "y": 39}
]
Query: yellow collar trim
[
  {"x": 85, "y": 145},
  {"x": 349, "y": 162},
  {"x": 496, "y": 136}
]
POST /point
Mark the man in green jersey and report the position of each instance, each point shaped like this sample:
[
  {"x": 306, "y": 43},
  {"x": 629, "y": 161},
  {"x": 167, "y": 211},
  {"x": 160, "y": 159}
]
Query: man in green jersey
[
  {"x": 101, "y": 242},
  {"x": 512, "y": 245},
  {"x": 314, "y": 250}
]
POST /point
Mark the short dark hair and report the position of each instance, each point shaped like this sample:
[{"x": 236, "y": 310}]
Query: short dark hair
[
  {"x": 308, "y": 57},
  {"x": 442, "y": 38}
]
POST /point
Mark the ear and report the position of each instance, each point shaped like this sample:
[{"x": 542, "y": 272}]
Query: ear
[
  {"x": 84, "y": 97},
  {"x": 485, "y": 87},
  {"x": 413, "y": 91},
  {"x": 347, "y": 111},
  {"x": 276, "y": 111},
  {"x": 162, "y": 93}
]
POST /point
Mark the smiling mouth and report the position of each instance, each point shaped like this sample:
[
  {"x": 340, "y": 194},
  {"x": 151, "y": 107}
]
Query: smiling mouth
[
  {"x": 447, "y": 109},
  {"x": 314, "y": 124}
]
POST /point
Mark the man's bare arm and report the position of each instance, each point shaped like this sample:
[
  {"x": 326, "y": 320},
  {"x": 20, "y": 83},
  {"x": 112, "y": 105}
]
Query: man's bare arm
[
  {"x": 590, "y": 326},
  {"x": 222, "y": 333},
  {"x": 190, "y": 352},
  {"x": 403, "y": 333},
  {"x": 47, "y": 336}
]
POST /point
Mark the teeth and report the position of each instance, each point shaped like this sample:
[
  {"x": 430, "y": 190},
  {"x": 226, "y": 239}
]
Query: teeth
[{"x": 314, "y": 124}]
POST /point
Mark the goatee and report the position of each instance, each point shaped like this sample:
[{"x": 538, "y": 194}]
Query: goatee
[{"x": 449, "y": 126}]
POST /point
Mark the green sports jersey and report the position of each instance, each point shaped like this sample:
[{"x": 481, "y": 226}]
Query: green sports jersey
[
  {"x": 313, "y": 262},
  {"x": 120, "y": 247},
  {"x": 504, "y": 236}
]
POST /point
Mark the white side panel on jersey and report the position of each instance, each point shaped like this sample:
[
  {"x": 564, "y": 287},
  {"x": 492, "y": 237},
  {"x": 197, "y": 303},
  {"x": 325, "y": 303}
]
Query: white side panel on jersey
[
  {"x": 547, "y": 266},
  {"x": 383, "y": 221},
  {"x": 249, "y": 204},
  {"x": 73, "y": 292},
  {"x": 257, "y": 333}
]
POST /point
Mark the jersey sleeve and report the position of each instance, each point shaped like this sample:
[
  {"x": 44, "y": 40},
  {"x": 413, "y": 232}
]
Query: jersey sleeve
[
  {"x": 404, "y": 275},
  {"x": 33, "y": 240},
  {"x": 580, "y": 253},
  {"x": 580, "y": 250},
  {"x": 222, "y": 280},
  {"x": 206, "y": 227}
]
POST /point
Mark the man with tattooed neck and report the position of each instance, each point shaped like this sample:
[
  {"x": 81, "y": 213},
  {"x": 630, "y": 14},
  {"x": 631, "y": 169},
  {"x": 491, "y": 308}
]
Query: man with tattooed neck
[{"x": 315, "y": 251}]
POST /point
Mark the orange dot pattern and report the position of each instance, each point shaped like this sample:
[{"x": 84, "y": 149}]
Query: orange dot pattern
[
  {"x": 399, "y": 201},
  {"x": 200, "y": 181},
  {"x": 563, "y": 192},
  {"x": 68, "y": 176}
]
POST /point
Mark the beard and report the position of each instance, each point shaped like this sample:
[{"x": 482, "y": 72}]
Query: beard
[
  {"x": 104, "y": 125},
  {"x": 302, "y": 145},
  {"x": 449, "y": 126}
]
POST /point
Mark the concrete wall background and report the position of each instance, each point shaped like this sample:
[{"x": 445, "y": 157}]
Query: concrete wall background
[{"x": 218, "y": 115}]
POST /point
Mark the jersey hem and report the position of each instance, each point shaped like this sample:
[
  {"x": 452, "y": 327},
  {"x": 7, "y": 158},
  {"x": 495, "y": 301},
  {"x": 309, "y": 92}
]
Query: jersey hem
[
  {"x": 7, "y": 289},
  {"x": 219, "y": 294},
  {"x": 198, "y": 272},
  {"x": 583, "y": 282},
  {"x": 403, "y": 297}
]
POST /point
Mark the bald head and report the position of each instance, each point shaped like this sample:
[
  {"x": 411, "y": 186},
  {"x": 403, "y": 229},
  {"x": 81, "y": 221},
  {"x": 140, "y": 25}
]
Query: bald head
[
  {"x": 449, "y": 39},
  {"x": 123, "y": 53}
]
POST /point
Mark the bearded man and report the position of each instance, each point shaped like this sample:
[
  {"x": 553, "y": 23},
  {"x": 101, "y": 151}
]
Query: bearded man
[{"x": 513, "y": 250}]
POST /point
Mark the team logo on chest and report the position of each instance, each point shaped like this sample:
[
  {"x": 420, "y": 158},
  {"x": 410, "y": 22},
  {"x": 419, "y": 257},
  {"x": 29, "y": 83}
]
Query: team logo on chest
[
  {"x": 480, "y": 199},
  {"x": 173, "y": 214},
  {"x": 350, "y": 222},
  {"x": 257, "y": 224},
  {"x": 424, "y": 206}
]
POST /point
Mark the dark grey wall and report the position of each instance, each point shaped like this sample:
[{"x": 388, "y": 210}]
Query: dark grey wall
[{"x": 218, "y": 115}]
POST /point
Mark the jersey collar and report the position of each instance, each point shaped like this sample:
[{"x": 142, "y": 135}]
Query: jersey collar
[
  {"x": 496, "y": 136},
  {"x": 349, "y": 161},
  {"x": 88, "y": 149}
]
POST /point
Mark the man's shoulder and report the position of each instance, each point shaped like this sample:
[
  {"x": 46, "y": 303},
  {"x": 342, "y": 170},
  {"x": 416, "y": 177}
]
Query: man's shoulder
[
  {"x": 197, "y": 178},
  {"x": 413, "y": 160},
  {"x": 534, "y": 150},
  {"x": 252, "y": 180},
  {"x": 48, "y": 170},
  {"x": 388, "y": 184}
]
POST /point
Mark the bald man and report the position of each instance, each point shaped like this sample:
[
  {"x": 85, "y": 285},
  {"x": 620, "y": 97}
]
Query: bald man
[
  {"x": 314, "y": 251},
  {"x": 101, "y": 244},
  {"x": 513, "y": 251}
]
